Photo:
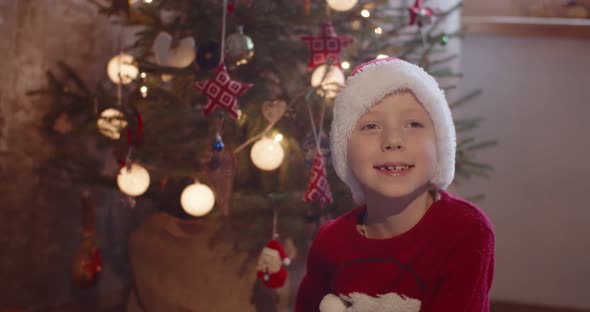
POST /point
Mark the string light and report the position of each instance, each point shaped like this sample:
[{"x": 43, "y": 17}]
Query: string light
[
  {"x": 143, "y": 90},
  {"x": 365, "y": 13},
  {"x": 142, "y": 75},
  {"x": 278, "y": 137},
  {"x": 148, "y": 1},
  {"x": 381, "y": 56},
  {"x": 378, "y": 30},
  {"x": 345, "y": 65}
]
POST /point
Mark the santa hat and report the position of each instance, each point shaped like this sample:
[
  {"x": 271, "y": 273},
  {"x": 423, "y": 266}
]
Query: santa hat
[
  {"x": 368, "y": 84},
  {"x": 274, "y": 259}
]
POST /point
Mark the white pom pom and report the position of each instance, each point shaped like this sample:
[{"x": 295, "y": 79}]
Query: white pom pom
[{"x": 332, "y": 303}]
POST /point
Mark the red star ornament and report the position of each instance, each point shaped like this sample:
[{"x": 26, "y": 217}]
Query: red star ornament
[
  {"x": 318, "y": 188},
  {"x": 325, "y": 46},
  {"x": 222, "y": 92},
  {"x": 420, "y": 15}
]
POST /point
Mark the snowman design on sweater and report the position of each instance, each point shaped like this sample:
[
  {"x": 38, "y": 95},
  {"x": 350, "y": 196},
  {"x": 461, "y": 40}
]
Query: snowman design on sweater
[{"x": 387, "y": 272}]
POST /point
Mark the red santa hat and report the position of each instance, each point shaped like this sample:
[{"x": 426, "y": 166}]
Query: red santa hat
[
  {"x": 368, "y": 84},
  {"x": 271, "y": 265}
]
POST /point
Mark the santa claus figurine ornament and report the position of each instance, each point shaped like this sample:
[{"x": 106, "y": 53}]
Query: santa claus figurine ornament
[{"x": 271, "y": 265}]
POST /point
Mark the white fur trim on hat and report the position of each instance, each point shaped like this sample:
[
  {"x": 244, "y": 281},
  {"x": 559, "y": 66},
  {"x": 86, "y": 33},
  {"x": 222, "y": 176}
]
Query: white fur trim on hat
[{"x": 370, "y": 83}]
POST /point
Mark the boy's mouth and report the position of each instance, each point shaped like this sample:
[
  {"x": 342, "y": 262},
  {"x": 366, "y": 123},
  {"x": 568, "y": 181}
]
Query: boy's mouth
[{"x": 394, "y": 167}]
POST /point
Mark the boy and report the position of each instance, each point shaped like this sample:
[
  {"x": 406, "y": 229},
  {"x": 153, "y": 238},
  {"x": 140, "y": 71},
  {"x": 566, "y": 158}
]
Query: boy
[{"x": 410, "y": 246}]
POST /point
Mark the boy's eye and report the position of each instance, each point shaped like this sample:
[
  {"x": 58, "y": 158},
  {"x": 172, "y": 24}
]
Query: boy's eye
[
  {"x": 369, "y": 126},
  {"x": 415, "y": 124}
]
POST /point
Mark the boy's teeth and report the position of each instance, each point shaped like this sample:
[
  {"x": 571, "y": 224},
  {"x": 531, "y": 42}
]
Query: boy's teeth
[{"x": 396, "y": 168}]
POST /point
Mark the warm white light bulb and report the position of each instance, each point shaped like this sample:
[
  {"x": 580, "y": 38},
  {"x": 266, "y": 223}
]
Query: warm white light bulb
[
  {"x": 133, "y": 181},
  {"x": 365, "y": 13},
  {"x": 278, "y": 137},
  {"x": 267, "y": 154},
  {"x": 121, "y": 69},
  {"x": 382, "y": 56},
  {"x": 110, "y": 123},
  {"x": 197, "y": 199},
  {"x": 345, "y": 65},
  {"x": 341, "y": 5},
  {"x": 330, "y": 82},
  {"x": 378, "y": 30}
]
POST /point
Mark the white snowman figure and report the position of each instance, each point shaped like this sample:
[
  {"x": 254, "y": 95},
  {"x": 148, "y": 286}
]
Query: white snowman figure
[{"x": 358, "y": 302}]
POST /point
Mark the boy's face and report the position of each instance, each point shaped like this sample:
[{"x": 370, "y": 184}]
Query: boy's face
[{"x": 392, "y": 149}]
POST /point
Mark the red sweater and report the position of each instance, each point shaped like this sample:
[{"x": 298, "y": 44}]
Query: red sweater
[{"x": 444, "y": 263}]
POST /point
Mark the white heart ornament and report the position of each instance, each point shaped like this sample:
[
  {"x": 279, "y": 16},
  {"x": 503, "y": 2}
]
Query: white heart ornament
[
  {"x": 274, "y": 111},
  {"x": 180, "y": 56}
]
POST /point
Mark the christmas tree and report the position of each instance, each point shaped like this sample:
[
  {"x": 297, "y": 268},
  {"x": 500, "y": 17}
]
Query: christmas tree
[{"x": 229, "y": 103}]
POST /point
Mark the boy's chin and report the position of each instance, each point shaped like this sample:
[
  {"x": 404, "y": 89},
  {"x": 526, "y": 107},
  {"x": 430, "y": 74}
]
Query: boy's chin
[{"x": 395, "y": 194}]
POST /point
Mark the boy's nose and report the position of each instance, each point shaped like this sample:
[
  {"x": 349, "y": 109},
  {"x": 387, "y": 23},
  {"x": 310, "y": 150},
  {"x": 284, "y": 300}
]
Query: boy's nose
[{"x": 393, "y": 142}]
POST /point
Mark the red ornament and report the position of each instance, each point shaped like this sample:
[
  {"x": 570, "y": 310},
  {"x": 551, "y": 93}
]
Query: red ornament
[
  {"x": 222, "y": 92},
  {"x": 93, "y": 265},
  {"x": 318, "y": 188},
  {"x": 420, "y": 15},
  {"x": 326, "y": 46},
  {"x": 271, "y": 265}
]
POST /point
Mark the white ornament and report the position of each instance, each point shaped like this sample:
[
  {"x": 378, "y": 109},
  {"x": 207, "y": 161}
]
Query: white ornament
[
  {"x": 332, "y": 82},
  {"x": 267, "y": 154},
  {"x": 133, "y": 181},
  {"x": 341, "y": 5},
  {"x": 197, "y": 199},
  {"x": 179, "y": 56},
  {"x": 111, "y": 122},
  {"x": 122, "y": 69}
]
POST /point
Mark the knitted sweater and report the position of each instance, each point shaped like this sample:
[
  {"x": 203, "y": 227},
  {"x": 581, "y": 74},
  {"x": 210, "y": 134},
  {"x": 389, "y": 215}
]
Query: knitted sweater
[{"x": 444, "y": 263}]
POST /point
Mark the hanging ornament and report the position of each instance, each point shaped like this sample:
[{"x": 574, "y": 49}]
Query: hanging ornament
[
  {"x": 221, "y": 171},
  {"x": 133, "y": 180},
  {"x": 218, "y": 145},
  {"x": 329, "y": 83},
  {"x": 270, "y": 268},
  {"x": 325, "y": 46},
  {"x": 267, "y": 154},
  {"x": 444, "y": 39},
  {"x": 273, "y": 111},
  {"x": 341, "y": 5},
  {"x": 197, "y": 199},
  {"x": 208, "y": 55},
  {"x": 111, "y": 122},
  {"x": 179, "y": 55},
  {"x": 121, "y": 69},
  {"x": 239, "y": 48},
  {"x": 318, "y": 189},
  {"x": 419, "y": 15},
  {"x": 87, "y": 262},
  {"x": 222, "y": 92}
]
